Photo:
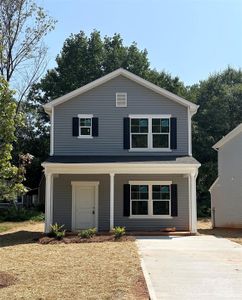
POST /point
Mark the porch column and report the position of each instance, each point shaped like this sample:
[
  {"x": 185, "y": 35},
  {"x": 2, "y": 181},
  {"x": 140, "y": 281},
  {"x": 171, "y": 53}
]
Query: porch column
[
  {"x": 48, "y": 201},
  {"x": 111, "y": 200},
  {"x": 193, "y": 201}
]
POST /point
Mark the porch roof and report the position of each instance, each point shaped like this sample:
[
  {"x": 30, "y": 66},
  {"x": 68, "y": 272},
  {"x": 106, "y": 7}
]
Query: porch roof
[{"x": 84, "y": 159}]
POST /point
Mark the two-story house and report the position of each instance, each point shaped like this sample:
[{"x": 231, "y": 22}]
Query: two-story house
[{"x": 121, "y": 155}]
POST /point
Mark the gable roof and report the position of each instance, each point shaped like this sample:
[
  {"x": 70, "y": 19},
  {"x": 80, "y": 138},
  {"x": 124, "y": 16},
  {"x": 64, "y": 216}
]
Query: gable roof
[
  {"x": 48, "y": 107},
  {"x": 237, "y": 130}
]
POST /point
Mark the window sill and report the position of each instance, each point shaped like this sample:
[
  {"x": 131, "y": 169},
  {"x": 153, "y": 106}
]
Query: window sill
[
  {"x": 150, "y": 150},
  {"x": 85, "y": 137},
  {"x": 151, "y": 217}
]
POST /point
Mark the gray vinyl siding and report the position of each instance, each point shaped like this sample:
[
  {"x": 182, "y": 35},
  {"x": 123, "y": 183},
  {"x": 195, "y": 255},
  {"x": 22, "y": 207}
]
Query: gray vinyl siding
[
  {"x": 62, "y": 202},
  {"x": 101, "y": 102},
  {"x": 62, "y": 199},
  {"x": 226, "y": 194}
]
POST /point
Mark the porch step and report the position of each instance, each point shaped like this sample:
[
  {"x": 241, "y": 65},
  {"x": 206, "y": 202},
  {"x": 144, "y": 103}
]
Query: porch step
[{"x": 159, "y": 233}]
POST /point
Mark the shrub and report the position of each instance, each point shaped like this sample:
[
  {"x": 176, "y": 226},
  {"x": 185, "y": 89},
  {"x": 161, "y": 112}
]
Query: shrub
[
  {"x": 38, "y": 217},
  {"x": 57, "y": 231},
  {"x": 119, "y": 232},
  {"x": 87, "y": 233},
  {"x": 17, "y": 214}
]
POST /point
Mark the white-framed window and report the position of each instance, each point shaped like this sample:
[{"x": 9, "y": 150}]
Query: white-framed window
[
  {"x": 85, "y": 126},
  {"x": 150, "y": 132},
  {"x": 121, "y": 99},
  {"x": 150, "y": 199}
]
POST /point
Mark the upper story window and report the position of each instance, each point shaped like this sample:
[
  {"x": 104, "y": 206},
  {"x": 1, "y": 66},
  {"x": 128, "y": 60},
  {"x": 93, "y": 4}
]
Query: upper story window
[
  {"x": 150, "y": 132},
  {"x": 121, "y": 99},
  {"x": 85, "y": 126}
]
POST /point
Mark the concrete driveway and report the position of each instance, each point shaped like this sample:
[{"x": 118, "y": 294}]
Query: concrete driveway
[{"x": 194, "y": 267}]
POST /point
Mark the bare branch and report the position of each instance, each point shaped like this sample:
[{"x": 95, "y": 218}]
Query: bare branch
[{"x": 23, "y": 27}]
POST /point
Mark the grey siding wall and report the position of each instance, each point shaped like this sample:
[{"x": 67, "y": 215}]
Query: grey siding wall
[
  {"x": 62, "y": 202},
  {"x": 62, "y": 199},
  {"x": 226, "y": 195},
  {"x": 101, "y": 103}
]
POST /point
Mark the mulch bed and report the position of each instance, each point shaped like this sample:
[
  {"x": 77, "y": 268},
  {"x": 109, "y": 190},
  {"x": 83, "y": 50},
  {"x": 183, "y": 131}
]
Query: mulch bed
[
  {"x": 75, "y": 239},
  {"x": 6, "y": 280}
]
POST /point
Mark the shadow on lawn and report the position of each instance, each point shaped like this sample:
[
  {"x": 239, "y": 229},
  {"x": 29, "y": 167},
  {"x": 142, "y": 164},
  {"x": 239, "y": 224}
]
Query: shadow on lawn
[{"x": 18, "y": 237}]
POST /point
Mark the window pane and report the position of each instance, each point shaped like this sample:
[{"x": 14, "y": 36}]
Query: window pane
[
  {"x": 165, "y": 125},
  {"x": 85, "y": 131},
  {"x": 156, "y": 125},
  {"x": 160, "y": 192},
  {"x": 161, "y": 208},
  {"x": 139, "y": 207},
  {"x": 139, "y": 140},
  {"x": 160, "y": 141},
  {"x": 139, "y": 192},
  {"x": 139, "y": 125},
  {"x": 85, "y": 122},
  {"x": 160, "y": 125}
]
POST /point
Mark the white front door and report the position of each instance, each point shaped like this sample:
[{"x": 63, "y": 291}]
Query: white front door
[{"x": 84, "y": 205}]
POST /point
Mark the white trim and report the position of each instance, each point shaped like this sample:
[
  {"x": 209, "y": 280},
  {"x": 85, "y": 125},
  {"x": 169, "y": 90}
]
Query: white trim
[
  {"x": 150, "y": 216},
  {"x": 52, "y": 132},
  {"x": 145, "y": 116},
  {"x": 193, "y": 107},
  {"x": 48, "y": 202},
  {"x": 214, "y": 184},
  {"x": 119, "y": 168},
  {"x": 150, "y": 199},
  {"x": 84, "y": 116},
  {"x": 111, "y": 201},
  {"x": 228, "y": 137},
  {"x": 74, "y": 184},
  {"x": 126, "y": 99},
  {"x": 189, "y": 118},
  {"x": 193, "y": 202},
  {"x": 138, "y": 182},
  {"x": 150, "y": 134}
]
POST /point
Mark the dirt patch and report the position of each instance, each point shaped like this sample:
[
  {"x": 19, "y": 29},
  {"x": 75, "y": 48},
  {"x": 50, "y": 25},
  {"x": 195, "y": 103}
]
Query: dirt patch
[
  {"x": 75, "y": 239},
  {"x": 233, "y": 234},
  {"x": 6, "y": 280},
  {"x": 141, "y": 291}
]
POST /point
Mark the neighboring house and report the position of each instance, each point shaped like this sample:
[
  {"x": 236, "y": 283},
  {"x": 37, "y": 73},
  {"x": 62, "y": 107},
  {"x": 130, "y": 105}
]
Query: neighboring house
[
  {"x": 226, "y": 191},
  {"x": 121, "y": 155}
]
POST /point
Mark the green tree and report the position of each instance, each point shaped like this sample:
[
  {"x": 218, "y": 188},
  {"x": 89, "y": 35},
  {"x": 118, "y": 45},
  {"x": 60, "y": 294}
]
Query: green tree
[
  {"x": 220, "y": 111},
  {"x": 11, "y": 176}
]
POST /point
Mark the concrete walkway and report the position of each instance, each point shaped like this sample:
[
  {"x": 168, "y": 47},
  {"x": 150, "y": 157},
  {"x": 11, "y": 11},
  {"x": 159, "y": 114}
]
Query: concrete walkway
[{"x": 192, "y": 268}]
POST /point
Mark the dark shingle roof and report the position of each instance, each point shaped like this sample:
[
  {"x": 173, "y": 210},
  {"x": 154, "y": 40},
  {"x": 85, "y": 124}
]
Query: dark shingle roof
[{"x": 122, "y": 159}]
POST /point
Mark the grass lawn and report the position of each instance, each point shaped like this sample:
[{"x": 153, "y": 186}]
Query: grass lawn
[
  {"x": 205, "y": 227},
  {"x": 109, "y": 270},
  {"x": 6, "y": 226}
]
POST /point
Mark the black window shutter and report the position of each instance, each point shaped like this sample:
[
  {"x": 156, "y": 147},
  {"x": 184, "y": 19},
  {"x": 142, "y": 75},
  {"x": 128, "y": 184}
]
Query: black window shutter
[
  {"x": 126, "y": 212},
  {"x": 174, "y": 203},
  {"x": 126, "y": 133},
  {"x": 173, "y": 133},
  {"x": 75, "y": 126},
  {"x": 94, "y": 126}
]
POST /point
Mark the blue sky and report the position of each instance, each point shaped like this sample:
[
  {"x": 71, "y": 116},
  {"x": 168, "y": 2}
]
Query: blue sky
[{"x": 188, "y": 38}]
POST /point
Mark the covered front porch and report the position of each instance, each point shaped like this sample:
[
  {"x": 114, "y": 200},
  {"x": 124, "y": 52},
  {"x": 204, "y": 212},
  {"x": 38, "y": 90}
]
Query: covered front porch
[{"x": 68, "y": 184}]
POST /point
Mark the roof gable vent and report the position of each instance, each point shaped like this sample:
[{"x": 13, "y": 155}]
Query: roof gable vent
[{"x": 121, "y": 99}]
